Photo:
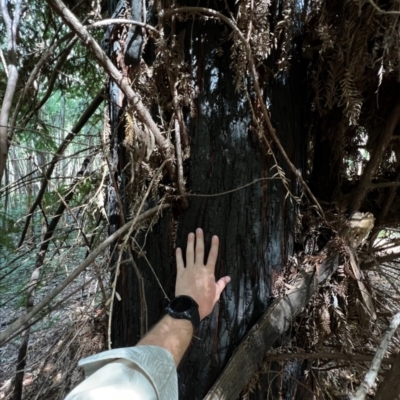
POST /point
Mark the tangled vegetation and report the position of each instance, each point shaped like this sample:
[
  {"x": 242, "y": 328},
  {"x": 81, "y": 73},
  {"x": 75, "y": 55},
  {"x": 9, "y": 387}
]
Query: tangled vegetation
[{"x": 101, "y": 105}]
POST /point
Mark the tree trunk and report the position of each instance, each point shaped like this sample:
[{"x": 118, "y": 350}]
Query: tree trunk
[
  {"x": 11, "y": 22},
  {"x": 255, "y": 224}
]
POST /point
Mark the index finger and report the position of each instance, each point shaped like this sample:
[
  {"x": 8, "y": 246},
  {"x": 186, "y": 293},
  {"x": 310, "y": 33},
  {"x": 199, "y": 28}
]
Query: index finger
[{"x": 213, "y": 254}]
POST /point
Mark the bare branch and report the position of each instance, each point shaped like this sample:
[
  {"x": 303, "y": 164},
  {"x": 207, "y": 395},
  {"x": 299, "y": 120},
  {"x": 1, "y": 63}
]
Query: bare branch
[
  {"x": 274, "y": 323},
  {"x": 15, "y": 328},
  {"x": 380, "y": 260},
  {"x": 376, "y": 157},
  {"x": 383, "y": 185},
  {"x": 369, "y": 379},
  {"x": 277, "y": 320},
  {"x": 47, "y": 54},
  {"x": 35, "y": 277},
  {"x": 68, "y": 139},
  {"x": 383, "y": 11},
  {"x": 115, "y": 21},
  {"x": 56, "y": 71},
  {"x": 326, "y": 355},
  {"x": 132, "y": 98},
  {"x": 121, "y": 251}
]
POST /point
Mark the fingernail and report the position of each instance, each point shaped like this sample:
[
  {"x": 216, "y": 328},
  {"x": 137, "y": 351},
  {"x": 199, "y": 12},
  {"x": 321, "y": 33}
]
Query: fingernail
[{"x": 199, "y": 230}]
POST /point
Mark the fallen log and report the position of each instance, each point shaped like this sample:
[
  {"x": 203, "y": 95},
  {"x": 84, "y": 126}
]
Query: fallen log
[{"x": 279, "y": 317}]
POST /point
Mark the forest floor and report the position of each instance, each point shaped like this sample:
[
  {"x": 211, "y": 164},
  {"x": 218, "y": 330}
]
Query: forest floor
[{"x": 79, "y": 329}]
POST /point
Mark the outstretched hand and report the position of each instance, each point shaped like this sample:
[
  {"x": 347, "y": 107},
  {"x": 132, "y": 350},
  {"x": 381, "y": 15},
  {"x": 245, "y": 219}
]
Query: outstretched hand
[{"x": 198, "y": 280}]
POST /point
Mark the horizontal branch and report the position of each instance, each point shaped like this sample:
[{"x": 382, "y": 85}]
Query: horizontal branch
[
  {"x": 327, "y": 356},
  {"x": 380, "y": 260},
  {"x": 383, "y": 185},
  {"x": 15, "y": 327},
  {"x": 115, "y": 21}
]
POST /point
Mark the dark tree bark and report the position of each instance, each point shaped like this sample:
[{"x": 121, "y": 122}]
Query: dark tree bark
[{"x": 255, "y": 224}]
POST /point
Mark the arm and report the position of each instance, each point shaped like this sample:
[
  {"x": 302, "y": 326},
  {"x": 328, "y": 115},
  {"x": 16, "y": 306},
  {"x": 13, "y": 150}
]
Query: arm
[
  {"x": 197, "y": 281},
  {"x": 134, "y": 373}
]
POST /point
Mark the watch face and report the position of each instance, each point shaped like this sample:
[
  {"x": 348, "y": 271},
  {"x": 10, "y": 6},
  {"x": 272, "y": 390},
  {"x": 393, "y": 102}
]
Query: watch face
[
  {"x": 184, "y": 307},
  {"x": 182, "y": 303}
]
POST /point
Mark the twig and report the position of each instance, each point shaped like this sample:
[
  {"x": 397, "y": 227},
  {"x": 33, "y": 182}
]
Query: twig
[
  {"x": 178, "y": 148},
  {"x": 387, "y": 277},
  {"x": 115, "y": 21},
  {"x": 375, "y": 159},
  {"x": 328, "y": 356},
  {"x": 271, "y": 130},
  {"x": 33, "y": 75},
  {"x": 263, "y": 139},
  {"x": 382, "y": 185},
  {"x": 114, "y": 285},
  {"x": 68, "y": 139},
  {"x": 143, "y": 254},
  {"x": 62, "y": 58},
  {"x": 251, "y": 21},
  {"x": 65, "y": 203},
  {"x": 15, "y": 328},
  {"x": 229, "y": 191},
  {"x": 180, "y": 128},
  {"x": 383, "y": 11},
  {"x": 132, "y": 97},
  {"x": 370, "y": 377}
]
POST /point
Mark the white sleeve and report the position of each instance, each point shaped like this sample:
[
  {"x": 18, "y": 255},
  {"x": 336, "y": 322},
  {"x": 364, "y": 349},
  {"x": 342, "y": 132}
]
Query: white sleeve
[{"x": 141, "y": 372}]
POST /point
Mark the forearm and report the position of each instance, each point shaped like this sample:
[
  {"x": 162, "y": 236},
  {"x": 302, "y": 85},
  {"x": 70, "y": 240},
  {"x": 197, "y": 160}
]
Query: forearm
[{"x": 171, "y": 334}]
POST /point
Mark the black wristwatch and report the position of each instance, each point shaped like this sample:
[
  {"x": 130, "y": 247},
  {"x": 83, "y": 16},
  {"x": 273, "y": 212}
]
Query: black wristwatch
[{"x": 184, "y": 307}]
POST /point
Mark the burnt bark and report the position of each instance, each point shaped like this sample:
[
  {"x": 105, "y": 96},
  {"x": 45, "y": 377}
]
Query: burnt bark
[
  {"x": 276, "y": 322},
  {"x": 327, "y": 156},
  {"x": 134, "y": 41},
  {"x": 255, "y": 224}
]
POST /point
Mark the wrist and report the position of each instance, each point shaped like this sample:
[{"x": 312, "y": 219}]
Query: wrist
[
  {"x": 186, "y": 308},
  {"x": 178, "y": 324}
]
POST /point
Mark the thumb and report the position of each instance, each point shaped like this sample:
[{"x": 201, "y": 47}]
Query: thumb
[{"x": 221, "y": 284}]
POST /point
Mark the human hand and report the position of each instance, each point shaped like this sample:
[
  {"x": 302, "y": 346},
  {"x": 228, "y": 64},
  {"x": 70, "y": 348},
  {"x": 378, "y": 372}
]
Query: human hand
[{"x": 197, "y": 280}]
